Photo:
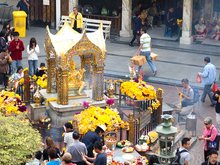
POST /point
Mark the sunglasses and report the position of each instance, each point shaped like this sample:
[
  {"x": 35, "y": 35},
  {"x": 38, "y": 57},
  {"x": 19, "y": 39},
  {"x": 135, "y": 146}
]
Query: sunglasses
[{"x": 206, "y": 123}]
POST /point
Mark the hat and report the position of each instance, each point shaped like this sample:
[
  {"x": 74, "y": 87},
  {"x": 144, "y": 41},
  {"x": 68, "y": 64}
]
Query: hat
[
  {"x": 103, "y": 127},
  {"x": 208, "y": 120}
]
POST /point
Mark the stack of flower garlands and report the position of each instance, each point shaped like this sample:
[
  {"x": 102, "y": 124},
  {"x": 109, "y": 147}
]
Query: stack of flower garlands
[
  {"x": 92, "y": 117},
  {"x": 11, "y": 104},
  {"x": 42, "y": 81},
  {"x": 141, "y": 91}
]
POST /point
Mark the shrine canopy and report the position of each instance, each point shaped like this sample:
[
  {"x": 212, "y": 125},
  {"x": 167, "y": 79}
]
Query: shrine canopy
[{"x": 66, "y": 38}]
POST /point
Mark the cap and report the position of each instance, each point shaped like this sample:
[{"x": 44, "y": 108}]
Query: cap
[{"x": 103, "y": 127}]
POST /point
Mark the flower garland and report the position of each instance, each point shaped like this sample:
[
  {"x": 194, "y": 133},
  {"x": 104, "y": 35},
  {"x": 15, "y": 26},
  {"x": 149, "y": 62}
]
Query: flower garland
[
  {"x": 42, "y": 81},
  {"x": 11, "y": 104},
  {"x": 141, "y": 91},
  {"x": 92, "y": 117}
]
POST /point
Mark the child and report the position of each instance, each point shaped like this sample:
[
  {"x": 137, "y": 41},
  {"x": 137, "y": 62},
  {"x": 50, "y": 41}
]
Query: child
[{"x": 41, "y": 71}]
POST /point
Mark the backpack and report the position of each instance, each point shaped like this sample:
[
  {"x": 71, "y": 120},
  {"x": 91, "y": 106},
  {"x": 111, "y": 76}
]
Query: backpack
[
  {"x": 196, "y": 95},
  {"x": 178, "y": 156}
]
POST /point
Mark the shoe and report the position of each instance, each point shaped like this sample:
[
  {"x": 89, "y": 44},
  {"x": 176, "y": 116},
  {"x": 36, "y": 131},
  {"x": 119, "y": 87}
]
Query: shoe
[
  {"x": 212, "y": 105},
  {"x": 155, "y": 73},
  {"x": 202, "y": 101},
  {"x": 130, "y": 44}
]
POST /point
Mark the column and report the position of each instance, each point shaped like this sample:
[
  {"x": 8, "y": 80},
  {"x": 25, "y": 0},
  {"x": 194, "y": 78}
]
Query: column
[
  {"x": 51, "y": 71},
  {"x": 58, "y": 13},
  {"x": 126, "y": 18},
  {"x": 208, "y": 9},
  {"x": 187, "y": 22},
  {"x": 73, "y": 3},
  {"x": 97, "y": 83}
]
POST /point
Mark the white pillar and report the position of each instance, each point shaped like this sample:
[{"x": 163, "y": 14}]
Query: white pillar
[
  {"x": 73, "y": 3},
  {"x": 187, "y": 22},
  {"x": 58, "y": 13},
  {"x": 126, "y": 18}
]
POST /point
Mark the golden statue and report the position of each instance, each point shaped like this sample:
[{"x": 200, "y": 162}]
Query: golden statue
[{"x": 75, "y": 78}]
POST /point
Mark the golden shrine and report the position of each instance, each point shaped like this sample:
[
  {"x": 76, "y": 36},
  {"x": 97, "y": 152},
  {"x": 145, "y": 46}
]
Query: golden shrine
[{"x": 63, "y": 75}]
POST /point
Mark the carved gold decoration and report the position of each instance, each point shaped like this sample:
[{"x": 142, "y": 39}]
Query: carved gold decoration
[
  {"x": 37, "y": 97},
  {"x": 75, "y": 77},
  {"x": 64, "y": 76},
  {"x": 111, "y": 89}
]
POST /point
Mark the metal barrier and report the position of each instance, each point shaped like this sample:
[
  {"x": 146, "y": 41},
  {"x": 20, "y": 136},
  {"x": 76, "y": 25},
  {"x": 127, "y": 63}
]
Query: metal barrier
[
  {"x": 141, "y": 121},
  {"x": 5, "y": 13}
]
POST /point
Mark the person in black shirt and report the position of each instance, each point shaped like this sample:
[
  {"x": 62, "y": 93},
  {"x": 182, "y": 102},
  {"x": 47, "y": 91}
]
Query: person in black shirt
[
  {"x": 216, "y": 97},
  {"x": 91, "y": 138},
  {"x": 100, "y": 159},
  {"x": 23, "y": 5},
  {"x": 136, "y": 28},
  {"x": 213, "y": 159}
]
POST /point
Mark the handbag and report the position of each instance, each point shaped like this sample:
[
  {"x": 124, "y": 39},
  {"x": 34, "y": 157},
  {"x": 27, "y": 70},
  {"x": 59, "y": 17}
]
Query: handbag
[
  {"x": 198, "y": 78},
  {"x": 213, "y": 145},
  {"x": 214, "y": 87},
  {"x": 138, "y": 60}
]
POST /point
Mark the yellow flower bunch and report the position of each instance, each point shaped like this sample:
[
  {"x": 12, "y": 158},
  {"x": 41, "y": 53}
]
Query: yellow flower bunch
[
  {"x": 50, "y": 99},
  {"x": 25, "y": 69},
  {"x": 10, "y": 103},
  {"x": 138, "y": 91},
  {"x": 42, "y": 81},
  {"x": 34, "y": 77},
  {"x": 141, "y": 91},
  {"x": 21, "y": 81},
  {"x": 92, "y": 117}
]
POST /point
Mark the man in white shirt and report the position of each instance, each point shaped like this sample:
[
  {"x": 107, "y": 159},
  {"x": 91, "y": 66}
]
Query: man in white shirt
[
  {"x": 184, "y": 153},
  {"x": 145, "y": 50}
]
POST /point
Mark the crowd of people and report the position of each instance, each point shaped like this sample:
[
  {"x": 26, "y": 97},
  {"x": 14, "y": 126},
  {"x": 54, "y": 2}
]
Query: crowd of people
[
  {"x": 86, "y": 150},
  {"x": 11, "y": 55}
]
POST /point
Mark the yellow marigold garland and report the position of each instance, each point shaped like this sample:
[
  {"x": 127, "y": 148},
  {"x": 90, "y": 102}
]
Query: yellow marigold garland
[
  {"x": 92, "y": 117},
  {"x": 141, "y": 91}
]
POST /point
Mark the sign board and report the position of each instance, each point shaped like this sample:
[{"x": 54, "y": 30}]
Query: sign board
[
  {"x": 46, "y": 2},
  {"x": 144, "y": 119}
]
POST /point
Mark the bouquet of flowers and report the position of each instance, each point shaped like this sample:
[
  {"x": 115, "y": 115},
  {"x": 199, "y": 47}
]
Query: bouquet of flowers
[
  {"x": 140, "y": 91},
  {"x": 11, "y": 104},
  {"x": 93, "y": 116}
]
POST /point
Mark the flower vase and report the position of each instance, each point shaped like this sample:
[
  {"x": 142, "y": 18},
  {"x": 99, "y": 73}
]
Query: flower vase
[{"x": 37, "y": 97}]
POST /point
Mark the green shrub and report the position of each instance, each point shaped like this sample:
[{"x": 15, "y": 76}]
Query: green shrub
[{"x": 18, "y": 140}]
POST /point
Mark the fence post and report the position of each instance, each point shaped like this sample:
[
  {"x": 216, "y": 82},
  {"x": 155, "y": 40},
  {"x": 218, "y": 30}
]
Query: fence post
[
  {"x": 159, "y": 110},
  {"x": 26, "y": 86}
]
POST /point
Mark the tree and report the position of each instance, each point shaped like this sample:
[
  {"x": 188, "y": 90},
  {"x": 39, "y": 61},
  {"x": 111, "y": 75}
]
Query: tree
[{"x": 18, "y": 140}]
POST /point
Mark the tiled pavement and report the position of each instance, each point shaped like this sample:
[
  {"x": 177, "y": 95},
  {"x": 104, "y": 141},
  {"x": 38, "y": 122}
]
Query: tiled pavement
[{"x": 202, "y": 110}]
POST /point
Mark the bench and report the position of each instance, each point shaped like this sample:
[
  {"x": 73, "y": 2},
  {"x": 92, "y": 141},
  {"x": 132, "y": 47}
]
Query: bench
[{"x": 90, "y": 25}]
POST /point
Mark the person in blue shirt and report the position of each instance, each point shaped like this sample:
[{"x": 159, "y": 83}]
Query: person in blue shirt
[
  {"x": 208, "y": 78},
  {"x": 136, "y": 28},
  {"x": 100, "y": 159},
  {"x": 53, "y": 157},
  {"x": 91, "y": 138},
  {"x": 23, "y": 5}
]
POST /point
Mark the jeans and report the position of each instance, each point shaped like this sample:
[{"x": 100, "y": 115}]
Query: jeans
[
  {"x": 14, "y": 66},
  {"x": 134, "y": 37},
  {"x": 186, "y": 102},
  {"x": 207, "y": 90},
  {"x": 149, "y": 61},
  {"x": 218, "y": 121},
  {"x": 4, "y": 79},
  {"x": 32, "y": 66}
]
